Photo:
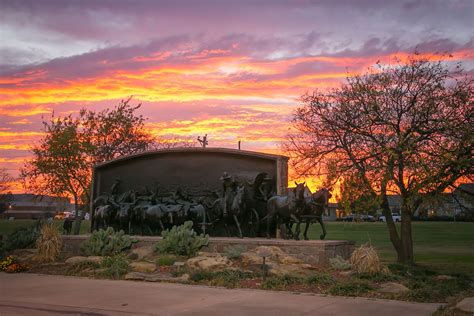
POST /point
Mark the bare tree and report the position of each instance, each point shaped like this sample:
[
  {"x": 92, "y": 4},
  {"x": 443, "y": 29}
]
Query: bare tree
[
  {"x": 5, "y": 181},
  {"x": 406, "y": 128}
]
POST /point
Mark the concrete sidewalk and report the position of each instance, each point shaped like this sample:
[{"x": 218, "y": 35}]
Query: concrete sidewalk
[{"x": 32, "y": 294}]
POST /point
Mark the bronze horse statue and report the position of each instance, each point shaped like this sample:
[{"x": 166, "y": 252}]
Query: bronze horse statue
[
  {"x": 313, "y": 209},
  {"x": 286, "y": 207}
]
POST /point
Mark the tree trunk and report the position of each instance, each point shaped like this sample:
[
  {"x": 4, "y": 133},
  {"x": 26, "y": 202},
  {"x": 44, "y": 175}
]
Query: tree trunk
[
  {"x": 77, "y": 219},
  {"x": 392, "y": 229},
  {"x": 406, "y": 236}
]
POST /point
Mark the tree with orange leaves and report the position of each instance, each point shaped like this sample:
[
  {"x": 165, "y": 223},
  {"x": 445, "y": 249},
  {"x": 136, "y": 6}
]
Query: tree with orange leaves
[
  {"x": 405, "y": 128},
  {"x": 63, "y": 159}
]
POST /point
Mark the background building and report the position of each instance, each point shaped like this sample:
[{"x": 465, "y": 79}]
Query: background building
[{"x": 31, "y": 206}]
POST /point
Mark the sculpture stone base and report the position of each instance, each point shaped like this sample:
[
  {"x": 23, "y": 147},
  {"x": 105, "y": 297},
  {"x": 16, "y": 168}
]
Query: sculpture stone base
[{"x": 311, "y": 251}]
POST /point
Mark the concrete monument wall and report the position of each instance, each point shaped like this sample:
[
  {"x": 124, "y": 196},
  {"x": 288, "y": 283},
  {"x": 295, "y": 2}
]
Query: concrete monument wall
[{"x": 196, "y": 170}]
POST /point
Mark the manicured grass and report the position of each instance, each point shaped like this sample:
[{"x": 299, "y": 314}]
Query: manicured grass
[
  {"x": 7, "y": 226},
  {"x": 446, "y": 246}
]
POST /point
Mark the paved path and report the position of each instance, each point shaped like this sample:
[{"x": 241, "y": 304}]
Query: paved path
[{"x": 32, "y": 294}]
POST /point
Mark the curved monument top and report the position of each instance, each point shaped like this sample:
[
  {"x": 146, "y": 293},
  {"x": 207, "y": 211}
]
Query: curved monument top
[{"x": 193, "y": 150}]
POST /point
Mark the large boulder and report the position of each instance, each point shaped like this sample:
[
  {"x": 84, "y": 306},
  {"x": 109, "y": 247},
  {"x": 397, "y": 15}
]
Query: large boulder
[
  {"x": 290, "y": 269},
  {"x": 278, "y": 262},
  {"x": 140, "y": 253},
  {"x": 143, "y": 267},
  {"x": 80, "y": 259},
  {"x": 466, "y": 305},
  {"x": 136, "y": 276},
  {"x": 272, "y": 254},
  {"x": 211, "y": 262},
  {"x": 393, "y": 288}
]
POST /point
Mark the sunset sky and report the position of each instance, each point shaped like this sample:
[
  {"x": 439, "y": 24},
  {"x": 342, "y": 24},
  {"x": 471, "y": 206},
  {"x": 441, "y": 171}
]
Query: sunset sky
[{"x": 232, "y": 69}]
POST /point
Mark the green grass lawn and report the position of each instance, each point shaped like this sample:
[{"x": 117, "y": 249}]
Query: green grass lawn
[
  {"x": 7, "y": 227},
  {"x": 448, "y": 246}
]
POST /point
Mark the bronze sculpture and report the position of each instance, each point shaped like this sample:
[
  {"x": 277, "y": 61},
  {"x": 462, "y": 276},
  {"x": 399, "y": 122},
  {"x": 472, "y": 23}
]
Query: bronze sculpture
[{"x": 239, "y": 209}]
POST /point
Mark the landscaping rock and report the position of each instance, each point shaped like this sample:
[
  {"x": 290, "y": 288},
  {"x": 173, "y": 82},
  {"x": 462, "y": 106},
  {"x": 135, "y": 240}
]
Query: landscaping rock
[
  {"x": 158, "y": 277},
  {"x": 144, "y": 267},
  {"x": 289, "y": 269},
  {"x": 165, "y": 277},
  {"x": 466, "y": 305},
  {"x": 393, "y": 288},
  {"x": 345, "y": 273},
  {"x": 80, "y": 259},
  {"x": 279, "y": 263},
  {"x": 145, "y": 252},
  {"x": 185, "y": 278},
  {"x": 215, "y": 262},
  {"x": 273, "y": 254},
  {"x": 135, "y": 276}
]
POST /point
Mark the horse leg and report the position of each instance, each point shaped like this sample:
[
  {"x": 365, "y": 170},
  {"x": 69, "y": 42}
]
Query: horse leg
[
  {"x": 238, "y": 225},
  {"x": 227, "y": 229},
  {"x": 305, "y": 234},
  {"x": 255, "y": 225},
  {"x": 297, "y": 232},
  {"x": 323, "y": 235},
  {"x": 283, "y": 231},
  {"x": 269, "y": 221}
]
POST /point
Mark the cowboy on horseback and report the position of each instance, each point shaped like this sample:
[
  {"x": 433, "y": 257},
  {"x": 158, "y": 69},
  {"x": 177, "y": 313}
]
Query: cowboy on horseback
[{"x": 229, "y": 190}]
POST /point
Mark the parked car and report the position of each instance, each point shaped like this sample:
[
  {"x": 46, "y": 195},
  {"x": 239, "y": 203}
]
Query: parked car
[
  {"x": 396, "y": 218},
  {"x": 368, "y": 218},
  {"x": 350, "y": 218}
]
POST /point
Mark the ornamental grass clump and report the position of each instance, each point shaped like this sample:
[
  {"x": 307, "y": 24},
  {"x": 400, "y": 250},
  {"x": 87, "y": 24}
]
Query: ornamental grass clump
[
  {"x": 182, "y": 241},
  {"x": 48, "y": 244},
  {"x": 366, "y": 260}
]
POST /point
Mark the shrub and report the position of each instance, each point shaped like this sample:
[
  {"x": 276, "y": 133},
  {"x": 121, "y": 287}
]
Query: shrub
[
  {"x": 165, "y": 260},
  {"x": 366, "y": 260},
  {"x": 229, "y": 278},
  {"x": 79, "y": 267},
  {"x": 432, "y": 290},
  {"x": 234, "y": 252},
  {"x": 339, "y": 263},
  {"x": 201, "y": 275},
  {"x": 281, "y": 282},
  {"x": 323, "y": 278},
  {"x": 115, "y": 266},
  {"x": 10, "y": 265},
  {"x": 182, "y": 241},
  {"x": 49, "y": 243},
  {"x": 21, "y": 238},
  {"x": 350, "y": 289},
  {"x": 17, "y": 267},
  {"x": 378, "y": 277},
  {"x": 6, "y": 262},
  {"x": 106, "y": 243}
]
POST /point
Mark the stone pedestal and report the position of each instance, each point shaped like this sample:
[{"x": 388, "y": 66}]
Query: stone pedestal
[{"x": 311, "y": 251}]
